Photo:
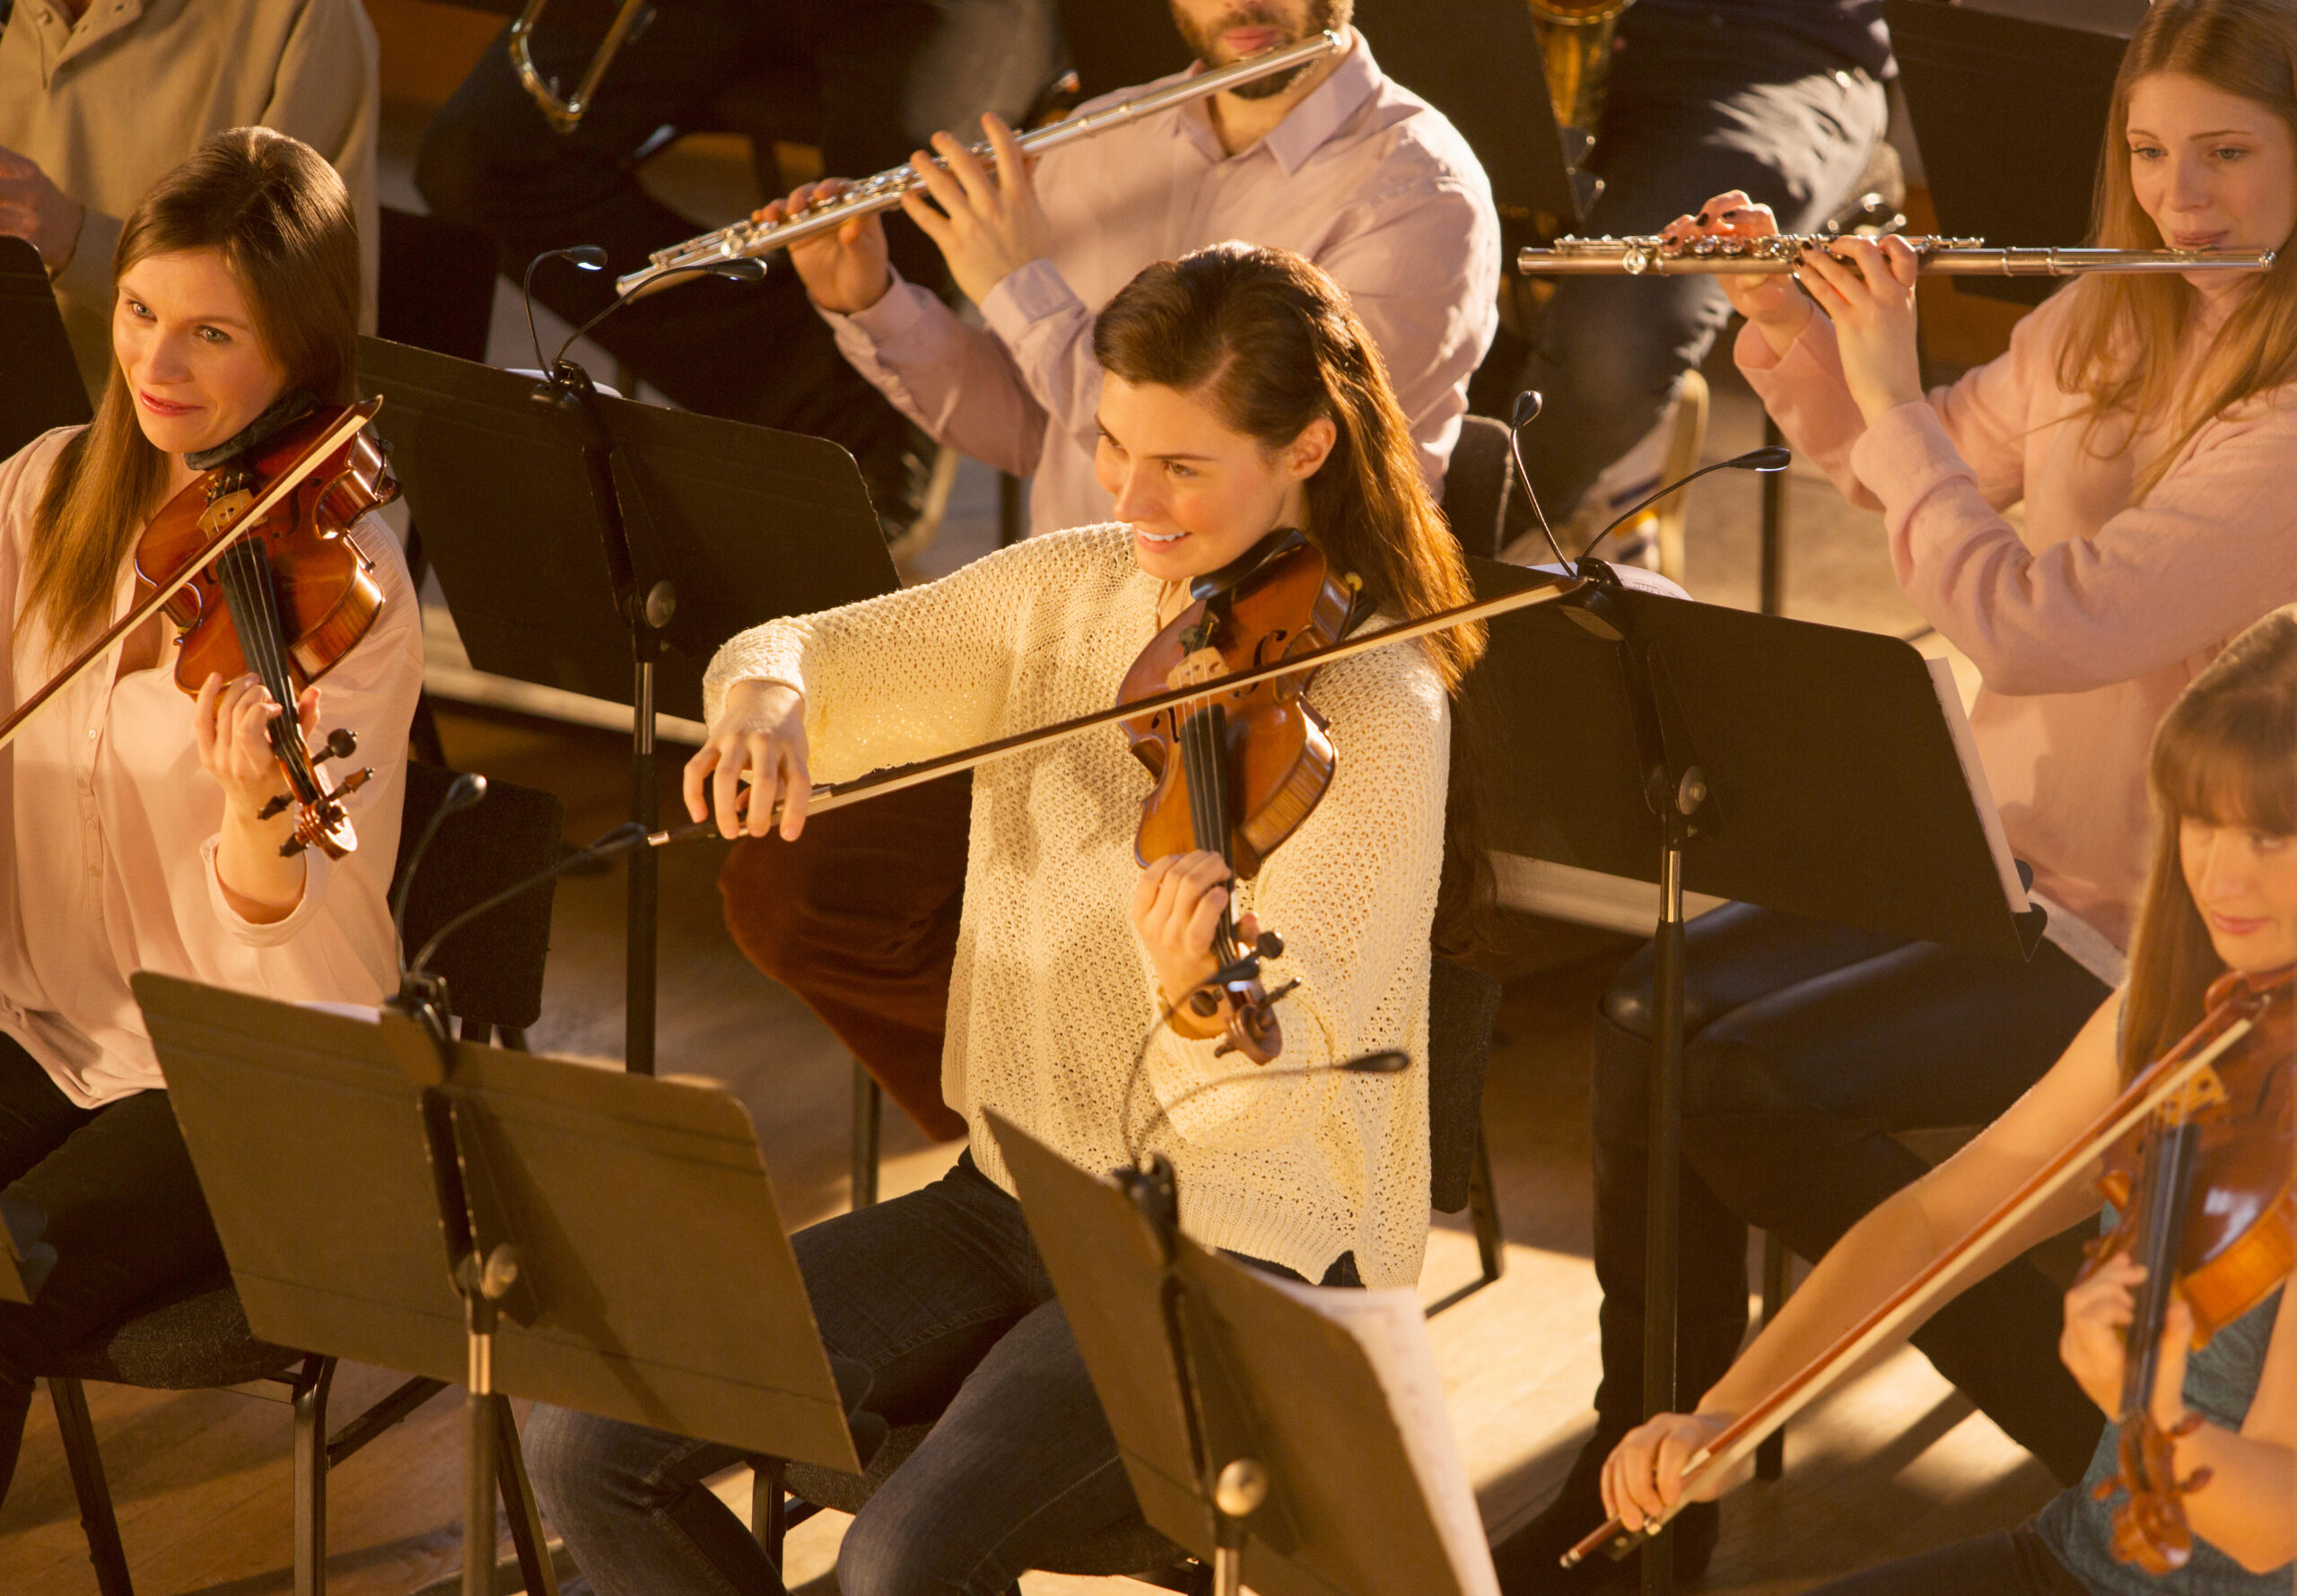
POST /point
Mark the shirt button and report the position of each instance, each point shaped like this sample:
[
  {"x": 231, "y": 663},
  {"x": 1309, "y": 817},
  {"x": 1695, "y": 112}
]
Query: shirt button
[{"x": 91, "y": 734}]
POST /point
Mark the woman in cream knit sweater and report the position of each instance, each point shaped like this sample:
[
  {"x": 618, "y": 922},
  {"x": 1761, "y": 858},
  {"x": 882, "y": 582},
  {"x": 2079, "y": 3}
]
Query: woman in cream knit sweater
[{"x": 1243, "y": 396}]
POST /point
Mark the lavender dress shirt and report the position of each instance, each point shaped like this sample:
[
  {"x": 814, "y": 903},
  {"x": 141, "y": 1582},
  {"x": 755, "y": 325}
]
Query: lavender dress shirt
[{"x": 1363, "y": 178}]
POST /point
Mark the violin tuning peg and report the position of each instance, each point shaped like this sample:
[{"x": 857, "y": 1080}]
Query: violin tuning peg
[
  {"x": 277, "y": 806},
  {"x": 1268, "y": 946},
  {"x": 342, "y": 743},
  {"x": 1203, "y": 1004}
]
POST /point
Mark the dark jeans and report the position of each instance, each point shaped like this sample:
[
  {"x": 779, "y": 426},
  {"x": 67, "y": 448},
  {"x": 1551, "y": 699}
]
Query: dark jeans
[
  {"x": 1695, "y": 108},
  {"x": 753, "y": 352},
  {"x": 1809, "y": 1046},
  {"x": 2006, "y": 1563},
  {"x": 941, "y": 1295},
  {"x": 124, "y": 1214}
]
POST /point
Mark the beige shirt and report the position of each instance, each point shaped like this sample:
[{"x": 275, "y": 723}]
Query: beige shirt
[
  {"x": 1363, "y": 178},
  {"x": 1052, "y": 994},
  {"x": 112, "y": 103},
  {"x": 111, "y": 824}
]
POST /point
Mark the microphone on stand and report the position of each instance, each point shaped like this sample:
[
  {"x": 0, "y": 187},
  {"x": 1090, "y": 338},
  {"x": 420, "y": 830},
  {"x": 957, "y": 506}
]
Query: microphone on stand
[
  {"x": 1151, "y": 1184},
  {"x": 1388, "y": 1061},
  {"x": 1528, "y": 405},
  {"x": 1770, "y": 458},
  {"x": 589, "y": 258}
]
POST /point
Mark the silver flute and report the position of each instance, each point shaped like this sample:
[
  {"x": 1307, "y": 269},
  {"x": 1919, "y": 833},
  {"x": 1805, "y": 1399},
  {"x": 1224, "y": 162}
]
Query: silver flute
[
  {"x": 884, "y": 191},
  {"x": 1652, "y": 257}
]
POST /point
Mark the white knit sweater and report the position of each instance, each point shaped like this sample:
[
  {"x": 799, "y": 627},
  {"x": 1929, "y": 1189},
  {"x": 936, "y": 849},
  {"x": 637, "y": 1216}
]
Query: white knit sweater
[{"x": 1052, "y": 993}]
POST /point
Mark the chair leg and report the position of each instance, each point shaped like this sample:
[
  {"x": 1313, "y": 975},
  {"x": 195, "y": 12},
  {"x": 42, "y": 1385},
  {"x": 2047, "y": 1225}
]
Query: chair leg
[
  {"x": 769, "y": 1508},
  {"x": 87, "y": 1466},
  {"x": 312, "y": 1383},
  {"x": 513, "y": 1037},
  {"x": 527, "y": 1537},
  {"x": 1770, "y": 1456},
  {"x": 869, "y": 1117},
  {"x": 1483, "y": 1213}
]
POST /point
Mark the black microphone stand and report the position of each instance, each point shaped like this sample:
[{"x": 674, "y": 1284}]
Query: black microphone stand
[{"x": 646, "y": 608}]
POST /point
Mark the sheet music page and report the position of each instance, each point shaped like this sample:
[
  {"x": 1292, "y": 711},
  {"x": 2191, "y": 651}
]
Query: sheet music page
[
  {"x": 1958, "y": 727},
  {"x": 1393, "y": 1331}
]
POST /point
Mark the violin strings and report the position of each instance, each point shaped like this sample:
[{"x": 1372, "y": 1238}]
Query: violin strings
[{"x": 246, "y": 579}]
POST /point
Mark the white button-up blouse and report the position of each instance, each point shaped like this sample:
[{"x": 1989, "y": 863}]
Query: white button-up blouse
[{"x": 111, "y": 825}]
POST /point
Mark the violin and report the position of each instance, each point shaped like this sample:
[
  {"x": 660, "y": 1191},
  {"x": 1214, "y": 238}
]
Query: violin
[
  {"x": 252, "y": 563},
  {"x": 1237, "y": 772},
  {"x": 2202, "y": 1194},
  {"x": 2205, "y": 1129}
]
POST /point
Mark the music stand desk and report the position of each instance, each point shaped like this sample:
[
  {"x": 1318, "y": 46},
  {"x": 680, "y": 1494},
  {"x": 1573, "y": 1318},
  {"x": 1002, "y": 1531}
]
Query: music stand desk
[
  {"x": 658, "y": 1286},
  {"x": 1258, "y": 1374}
]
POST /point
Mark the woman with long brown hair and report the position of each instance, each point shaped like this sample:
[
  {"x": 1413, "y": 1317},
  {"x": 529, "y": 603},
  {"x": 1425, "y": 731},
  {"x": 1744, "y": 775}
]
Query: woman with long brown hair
[
  {"x": 2149, "y": 428},
  {"x": 2221, "y": 895},
  {"x": 137, "y": 837},
  {"x": 1242, "y": 396}
]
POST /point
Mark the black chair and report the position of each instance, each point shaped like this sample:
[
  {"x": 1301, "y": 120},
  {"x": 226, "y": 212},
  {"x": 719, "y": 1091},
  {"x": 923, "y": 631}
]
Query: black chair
[
  {"x": 1462, "y": 1008},
  {"x": 435, "y": 286},
  {"x": 1479, "y": 486},
  {"x": 198, "y": 1338}
]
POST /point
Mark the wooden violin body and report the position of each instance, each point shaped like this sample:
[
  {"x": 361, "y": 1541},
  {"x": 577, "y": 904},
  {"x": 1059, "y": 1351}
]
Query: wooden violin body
[
  {"x": 1237, "y": 774},
  {"x": 324, "y": 588},
  {"x": 2202, "y": 1191},
  {"x": 284, "y": 600}
]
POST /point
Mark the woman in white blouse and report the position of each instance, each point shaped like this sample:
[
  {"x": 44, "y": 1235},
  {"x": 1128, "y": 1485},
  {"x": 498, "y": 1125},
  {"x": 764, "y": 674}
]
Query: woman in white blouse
[{"x": 132, "y": 814}]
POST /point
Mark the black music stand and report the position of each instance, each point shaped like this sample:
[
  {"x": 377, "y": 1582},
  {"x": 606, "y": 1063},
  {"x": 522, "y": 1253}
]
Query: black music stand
[
  {"x": 1807, "y": 769},
  {"x": 1232, "y": 1423},
  {"x": 611, "y": 1242},
  {"x": 39, "y": 380},
  {"x": 1978, "y": 83},
  {"x": 607, "y": 548}
]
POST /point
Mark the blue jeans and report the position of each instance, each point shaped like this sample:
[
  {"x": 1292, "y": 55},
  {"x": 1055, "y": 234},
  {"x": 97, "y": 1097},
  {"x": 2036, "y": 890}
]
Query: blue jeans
[
  {"x": 1697, "y": 108},
  {"x": 941, "y": 1295}
]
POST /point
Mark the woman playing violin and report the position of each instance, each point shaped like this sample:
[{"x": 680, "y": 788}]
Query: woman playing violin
[
  {"x": 2221, "y": 896},
  {"x": 2149, "y": 428},
  {"x": 136, "y": 836},
  {"x": 1242, "y": 396}
]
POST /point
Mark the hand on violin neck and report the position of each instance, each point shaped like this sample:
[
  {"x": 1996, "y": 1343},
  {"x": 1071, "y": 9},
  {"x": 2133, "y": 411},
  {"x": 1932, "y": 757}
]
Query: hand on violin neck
[
  {"x": 2094, "y": 1344},
  {"x": 759, "y": 737},
  {"x": 1177, "y": 909},
  {"x": 231, "y": 725}
]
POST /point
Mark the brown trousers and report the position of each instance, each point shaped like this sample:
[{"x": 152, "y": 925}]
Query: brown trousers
[{"x": 859, "y": 917}]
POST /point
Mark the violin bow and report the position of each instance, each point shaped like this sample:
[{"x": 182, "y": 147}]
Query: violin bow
[
  {"x": 2144, "y": 1096},
  {"x": 274, "y": 494},
  {"x": 1545, "y": 587}
]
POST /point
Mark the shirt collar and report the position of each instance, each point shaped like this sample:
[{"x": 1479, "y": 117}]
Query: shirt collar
[{"x": 1309, "y": 123}]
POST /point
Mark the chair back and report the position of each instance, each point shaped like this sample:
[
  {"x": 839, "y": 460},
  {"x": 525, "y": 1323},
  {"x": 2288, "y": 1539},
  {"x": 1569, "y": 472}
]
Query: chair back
[
  {"x": 1477, "y": 484},
  {"x": 436, "y": 284},
  {"x": 1462, "y": 1008},
  {"x": 494, "y": 965}
]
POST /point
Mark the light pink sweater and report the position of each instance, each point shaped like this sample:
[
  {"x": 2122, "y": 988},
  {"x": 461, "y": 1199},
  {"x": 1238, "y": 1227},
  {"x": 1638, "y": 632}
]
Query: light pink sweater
[{"x": 2085, "y": 629}]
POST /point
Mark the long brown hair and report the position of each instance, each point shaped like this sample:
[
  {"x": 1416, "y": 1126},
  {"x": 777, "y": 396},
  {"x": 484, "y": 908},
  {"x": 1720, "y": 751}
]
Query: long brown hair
[
  {"x": 282, "y": 220},
  {"x": 2124, "y": 345},
  {"x": 1273, "y": 343},
  {"x": 2226, "y": 753}
]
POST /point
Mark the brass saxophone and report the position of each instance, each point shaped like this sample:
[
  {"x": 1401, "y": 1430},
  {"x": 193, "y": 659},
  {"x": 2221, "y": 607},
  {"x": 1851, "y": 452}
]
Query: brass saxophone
[{"x": 1575, "y": 40}]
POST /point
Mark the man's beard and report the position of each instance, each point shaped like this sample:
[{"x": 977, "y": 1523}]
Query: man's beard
[{"x": 1204, "y": 43}]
